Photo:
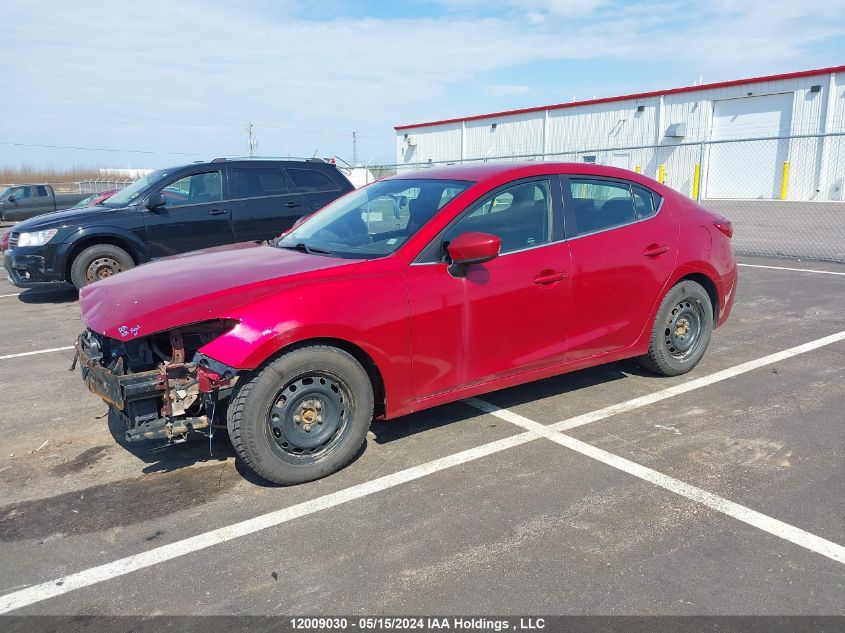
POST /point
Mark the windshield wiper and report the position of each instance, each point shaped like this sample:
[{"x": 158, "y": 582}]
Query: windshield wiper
[{"x": 303, "y": 247}]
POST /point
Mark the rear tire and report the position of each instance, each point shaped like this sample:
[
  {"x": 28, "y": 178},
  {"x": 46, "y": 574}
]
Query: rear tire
[
  {"x": 99, "y": 262},
  {"x": 303, "y": 416},
  {"x": 681, "y": 330}
]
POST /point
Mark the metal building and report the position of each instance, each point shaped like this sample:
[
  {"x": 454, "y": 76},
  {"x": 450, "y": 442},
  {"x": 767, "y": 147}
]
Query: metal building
[{"x": 775, "y": 137}]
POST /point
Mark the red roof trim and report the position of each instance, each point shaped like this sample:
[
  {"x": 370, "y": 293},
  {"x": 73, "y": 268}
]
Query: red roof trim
[{"x": 639, "y": 95}]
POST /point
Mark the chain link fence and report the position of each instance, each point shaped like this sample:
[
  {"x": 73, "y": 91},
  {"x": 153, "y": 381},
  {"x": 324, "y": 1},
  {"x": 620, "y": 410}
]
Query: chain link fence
[{"x": 785, "y": 195}]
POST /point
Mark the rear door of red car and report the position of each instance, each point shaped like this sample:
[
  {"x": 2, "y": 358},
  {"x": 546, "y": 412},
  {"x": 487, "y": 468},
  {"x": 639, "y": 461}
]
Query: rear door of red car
[
  {"x": 624, "y": 245},
  {"x": 505, "y": 316}
]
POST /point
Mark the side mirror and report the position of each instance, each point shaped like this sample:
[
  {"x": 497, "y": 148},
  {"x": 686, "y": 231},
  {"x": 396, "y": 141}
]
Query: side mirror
[
  {"x": 472, "y": 248},
  {"x": 155, "y": 201}
]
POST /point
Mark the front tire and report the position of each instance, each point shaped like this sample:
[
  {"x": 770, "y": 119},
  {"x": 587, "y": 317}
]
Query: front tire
[
  {"x": 681, "y": 330},
  {"x": 99, "y": 262},
  {"x": 303, "y": 416}
]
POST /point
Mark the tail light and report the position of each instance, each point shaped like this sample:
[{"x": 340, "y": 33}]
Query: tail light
[{"x": 725, "y": 226}]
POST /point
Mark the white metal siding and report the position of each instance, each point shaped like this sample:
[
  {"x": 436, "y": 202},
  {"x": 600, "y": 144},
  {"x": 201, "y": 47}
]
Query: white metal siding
[{"x": 578, "y": 132}]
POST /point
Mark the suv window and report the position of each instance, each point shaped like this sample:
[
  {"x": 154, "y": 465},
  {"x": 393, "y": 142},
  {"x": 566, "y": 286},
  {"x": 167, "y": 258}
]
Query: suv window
[
  {"x": 518, "y": 214},
  {"x": 194, "y": 189},
  {"x": 311, "y": 180},
  {"x": 600, "y": 205},
  {"x": 255, "y": 182}
]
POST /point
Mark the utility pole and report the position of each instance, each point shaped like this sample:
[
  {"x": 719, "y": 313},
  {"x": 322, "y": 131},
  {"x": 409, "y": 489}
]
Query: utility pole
[
  {"x": 354, "y": 148},
  {"x": 251, "y": 141}
]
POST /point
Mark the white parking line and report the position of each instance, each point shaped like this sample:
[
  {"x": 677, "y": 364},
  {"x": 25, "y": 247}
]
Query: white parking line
[
  {"x": 797, "y": 270},
  {"x": 38, "y": 351},
  {"x": 790, "y": 533},
  {"x": 698, "y": 383},
  {"x": 58, "y": 586},
  {"x": 12, "y": 295}
]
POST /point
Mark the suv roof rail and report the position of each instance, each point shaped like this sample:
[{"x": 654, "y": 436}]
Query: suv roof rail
[{"x": 306, "y": 159}]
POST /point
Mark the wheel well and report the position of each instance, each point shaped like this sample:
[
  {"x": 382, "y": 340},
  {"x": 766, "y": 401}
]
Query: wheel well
[
  {"x": 84, "y": 243},
  {"x": 369, "y": 365},
  {"x": 707, "y": 283}
]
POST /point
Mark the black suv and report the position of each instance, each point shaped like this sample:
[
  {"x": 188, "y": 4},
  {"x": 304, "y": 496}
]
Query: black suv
[{"x": 167, "y": 212}]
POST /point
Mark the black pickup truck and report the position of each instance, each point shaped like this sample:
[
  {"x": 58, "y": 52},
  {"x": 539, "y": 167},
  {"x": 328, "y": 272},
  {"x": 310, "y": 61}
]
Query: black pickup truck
[
  {"x": 20, "y": 202},
  {"x": 168, "y": 212}
]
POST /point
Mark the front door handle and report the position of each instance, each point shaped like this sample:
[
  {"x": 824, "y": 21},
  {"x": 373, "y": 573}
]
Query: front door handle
[
  {"x": 291, "y": 205},
  {"x": 217, "y": 212},
  {"x": 548, "y": 277},
  {"x": 653, "y": 250}
]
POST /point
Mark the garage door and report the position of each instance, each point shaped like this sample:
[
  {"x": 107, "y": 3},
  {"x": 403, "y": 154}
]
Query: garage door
[{"x": 749, "y": 169}]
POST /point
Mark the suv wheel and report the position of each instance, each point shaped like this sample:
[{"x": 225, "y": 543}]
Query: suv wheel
[
  {"x": 98, "y": 262},
  {"x": 303, "y": 416}
]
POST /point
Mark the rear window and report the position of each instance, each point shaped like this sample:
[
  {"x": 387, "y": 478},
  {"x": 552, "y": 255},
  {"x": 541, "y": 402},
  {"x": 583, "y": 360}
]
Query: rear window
[
  {"x": 255, "y": 182},
  {"x": 311, "y": 180}
]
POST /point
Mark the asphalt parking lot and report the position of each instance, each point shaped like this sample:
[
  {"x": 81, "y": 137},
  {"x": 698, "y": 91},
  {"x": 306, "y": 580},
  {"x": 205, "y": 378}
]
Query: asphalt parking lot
[{"x": 605, "y": 491}]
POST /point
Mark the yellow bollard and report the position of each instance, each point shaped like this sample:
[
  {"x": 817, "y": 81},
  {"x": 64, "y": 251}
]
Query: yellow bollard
[
  {"x": 696, "y": 177},
  {"x": 661, "y": 174},
  {"x": 638, "y": 169},
  {"x": 784, "y": 184}
]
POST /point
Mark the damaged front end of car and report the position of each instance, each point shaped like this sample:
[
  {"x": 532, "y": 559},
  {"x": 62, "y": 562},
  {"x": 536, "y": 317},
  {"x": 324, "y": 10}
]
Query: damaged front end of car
[{"x": 161, "y": 386}]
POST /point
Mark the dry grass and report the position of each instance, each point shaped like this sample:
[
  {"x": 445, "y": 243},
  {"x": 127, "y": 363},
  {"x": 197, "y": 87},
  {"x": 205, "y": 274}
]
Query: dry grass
[{"x": 26, "y": 174}]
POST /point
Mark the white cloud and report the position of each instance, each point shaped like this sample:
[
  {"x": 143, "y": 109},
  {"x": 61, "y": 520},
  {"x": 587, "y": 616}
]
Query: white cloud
[
  {"x": 187, "y": 76},
  {"x": 506, "y": 90}
]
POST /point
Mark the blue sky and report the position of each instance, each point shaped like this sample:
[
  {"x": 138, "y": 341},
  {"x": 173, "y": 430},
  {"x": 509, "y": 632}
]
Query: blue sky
[{"x": 168, "y": 82}]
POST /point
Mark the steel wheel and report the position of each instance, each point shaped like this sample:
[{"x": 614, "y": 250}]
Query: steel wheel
[
  {"x": 683, "y": 329},
  {"x": 101, "y": 268},
  {"x": 309, "y": 414}
]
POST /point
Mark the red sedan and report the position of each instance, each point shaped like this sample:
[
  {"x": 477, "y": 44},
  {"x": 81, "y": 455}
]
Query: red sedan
[{"x": 493, "y": 275}]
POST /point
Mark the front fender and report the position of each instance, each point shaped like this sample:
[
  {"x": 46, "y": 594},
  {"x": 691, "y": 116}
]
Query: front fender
[
  {"x": 369, "y": 312},
  {"x": 136, "y": 243}
]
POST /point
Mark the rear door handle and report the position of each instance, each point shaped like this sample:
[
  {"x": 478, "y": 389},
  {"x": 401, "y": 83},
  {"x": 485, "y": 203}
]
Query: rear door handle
[
  {"x": 217, "y": 212},
  {"x": 653, "y": 250},
  {"x": 291, "y": 205},
  {"x": 548, "y": 277}
]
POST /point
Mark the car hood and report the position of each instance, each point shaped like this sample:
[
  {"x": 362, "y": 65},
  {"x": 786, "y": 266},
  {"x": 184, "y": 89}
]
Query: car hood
[
  {"x": 59, "y": 219},
  {"x": 198, "y": 286}
]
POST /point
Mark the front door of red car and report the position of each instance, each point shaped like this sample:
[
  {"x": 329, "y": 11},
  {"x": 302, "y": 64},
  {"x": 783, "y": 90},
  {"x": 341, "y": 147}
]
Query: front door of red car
[
  {"x": 504, "y": 316},
  {"x": 624, "y": 247}
]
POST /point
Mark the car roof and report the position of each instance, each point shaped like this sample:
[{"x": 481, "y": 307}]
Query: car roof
[{"x": 478, "y": 172}]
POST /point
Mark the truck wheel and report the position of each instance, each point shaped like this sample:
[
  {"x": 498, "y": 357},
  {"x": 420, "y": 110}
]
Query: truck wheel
[
  {"x": 303, "y": 416},
  {"x": 98, "y": 262},
  {"x": 681, "y": 330}
]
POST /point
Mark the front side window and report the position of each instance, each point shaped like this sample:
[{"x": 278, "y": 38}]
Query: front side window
[
  {"x": 311, "y": 180},
  {"x": 375, "y": 220},
  {"x": 256, "y": 182},
  {"x": 518, "y": 214},
  {"x": 194, "y": 189},
  {"x": 22, "y": 193},
  {"x": 600, "y": 205}
]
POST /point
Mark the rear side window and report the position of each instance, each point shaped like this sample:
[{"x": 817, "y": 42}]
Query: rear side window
[
  {"x": 599, "y": 205},
  {"x": 646, "y": 201},
  {"x": 311, "y": 180},
  {"x": 42, "y": 191},
  {"x": 255, "y": 182}
]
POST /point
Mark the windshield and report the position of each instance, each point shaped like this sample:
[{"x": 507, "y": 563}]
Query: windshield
[
  {"x": 85, "y": 201},
  {"x": 373, "y": 221},
  {"x": 128, "y": 194}
]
